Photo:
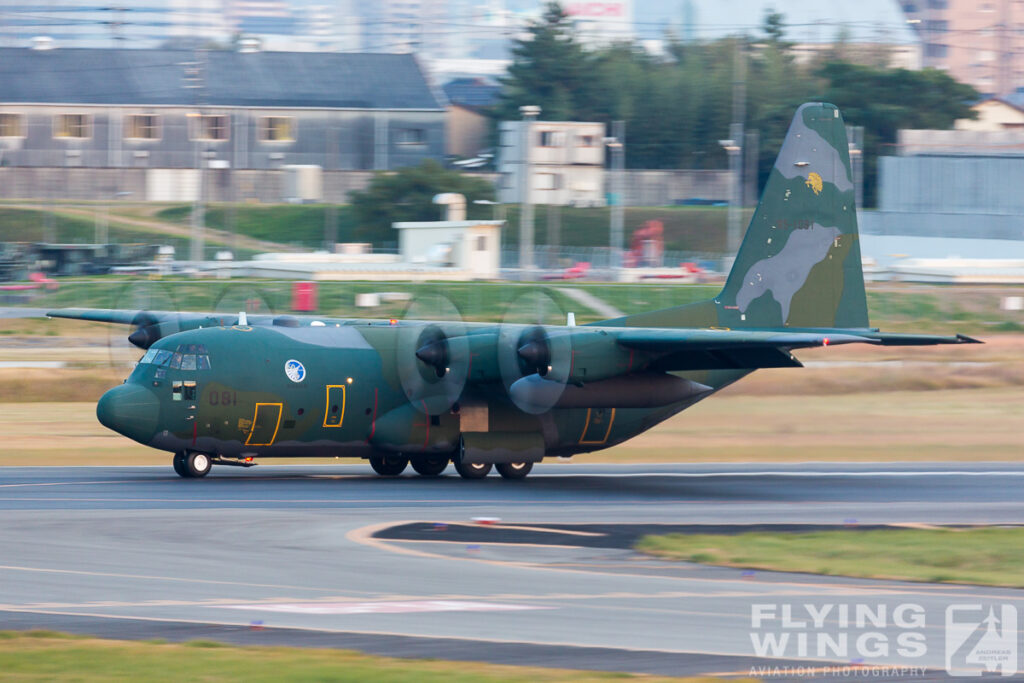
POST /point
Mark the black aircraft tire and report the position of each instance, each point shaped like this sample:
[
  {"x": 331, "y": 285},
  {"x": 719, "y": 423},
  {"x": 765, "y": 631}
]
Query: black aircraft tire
[
  {"x": 388, "y": 465},
  {"x": 472, "y": 470},
  {"x": 430, "y": 466},
  {"x": 179, "y": 465},
  {"x": 514, "y": 470},
  {"x": 198, "y": 464}
]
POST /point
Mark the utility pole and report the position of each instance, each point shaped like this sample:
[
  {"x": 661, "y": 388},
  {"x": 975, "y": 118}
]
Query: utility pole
[
  {"x": 734, "y": 145},
  {"x": 530, "y": 114},
  {"x": 616, "y": 236},
  {"x": 195, "y": 75}
]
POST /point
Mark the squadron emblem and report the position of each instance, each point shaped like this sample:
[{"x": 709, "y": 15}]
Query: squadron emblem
[
  {"x": 295, "y": 370},
  {"x": 814, "y": 182}
]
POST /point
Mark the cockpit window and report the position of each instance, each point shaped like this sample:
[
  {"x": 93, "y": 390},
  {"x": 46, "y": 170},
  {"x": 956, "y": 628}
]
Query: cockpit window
[{"x": 184, "y": 357}]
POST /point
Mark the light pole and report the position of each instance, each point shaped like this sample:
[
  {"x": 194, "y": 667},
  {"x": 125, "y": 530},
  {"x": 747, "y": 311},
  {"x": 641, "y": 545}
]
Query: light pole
[
  {"x": 732, "y": 148},
  {"x": 530, "y": 114},
  {"x": 616, "y": 144}
]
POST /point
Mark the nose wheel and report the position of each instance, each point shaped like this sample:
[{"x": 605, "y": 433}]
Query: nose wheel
[{"x": 192, "y": 465}]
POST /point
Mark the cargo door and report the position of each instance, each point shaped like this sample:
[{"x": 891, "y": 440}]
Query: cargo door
[{"x": 264, "y": 424}]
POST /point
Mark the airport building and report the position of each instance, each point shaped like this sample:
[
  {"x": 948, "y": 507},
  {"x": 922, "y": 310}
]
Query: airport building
[{"x": 144, "y": 113}]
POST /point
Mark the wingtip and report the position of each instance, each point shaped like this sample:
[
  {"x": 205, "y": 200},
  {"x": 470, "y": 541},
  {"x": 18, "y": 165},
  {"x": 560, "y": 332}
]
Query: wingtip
[{"x": 964, "y": 339}]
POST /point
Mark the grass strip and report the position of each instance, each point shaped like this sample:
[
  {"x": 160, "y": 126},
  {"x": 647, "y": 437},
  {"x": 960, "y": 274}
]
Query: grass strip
[
  {"x": 45, "y": 656},
  {"x": 990, "y": 556}
]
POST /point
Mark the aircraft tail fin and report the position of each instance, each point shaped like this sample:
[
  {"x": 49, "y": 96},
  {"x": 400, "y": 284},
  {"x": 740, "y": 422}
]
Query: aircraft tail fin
[{"x": 799, "y": 264}]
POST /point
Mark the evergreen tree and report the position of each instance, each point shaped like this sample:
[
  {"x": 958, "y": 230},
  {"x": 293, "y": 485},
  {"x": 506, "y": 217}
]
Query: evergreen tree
[
  {"x": 549, "y": 68},
  {"x": 408, "y": 195}
]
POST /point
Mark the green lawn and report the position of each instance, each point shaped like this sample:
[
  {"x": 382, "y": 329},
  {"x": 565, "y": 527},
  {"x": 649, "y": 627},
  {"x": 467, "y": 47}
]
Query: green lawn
[
  {"x": 687, "y": 228},
  {"x": 985, "y": 556},
  {"x": 47, "y": 656},
  {"x": 31, "y": 225},
  {"x": 301, "y": 225}
]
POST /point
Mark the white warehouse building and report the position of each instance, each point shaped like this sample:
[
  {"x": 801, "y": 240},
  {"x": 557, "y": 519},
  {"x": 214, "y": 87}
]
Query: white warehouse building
[{"x": 565, "y": 160}]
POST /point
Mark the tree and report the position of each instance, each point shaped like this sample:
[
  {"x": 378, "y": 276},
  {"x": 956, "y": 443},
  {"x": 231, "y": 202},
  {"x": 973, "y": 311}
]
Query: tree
[
  {"x": 774, "y": 26},
  {"x": 549, "y": 68},
  {"x": 407, "y": 195},
  {"x": 886, "y": 100}
]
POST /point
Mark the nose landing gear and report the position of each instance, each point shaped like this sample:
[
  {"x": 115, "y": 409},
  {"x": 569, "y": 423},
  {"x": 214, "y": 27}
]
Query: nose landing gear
[{"x": 192, "y": 465}]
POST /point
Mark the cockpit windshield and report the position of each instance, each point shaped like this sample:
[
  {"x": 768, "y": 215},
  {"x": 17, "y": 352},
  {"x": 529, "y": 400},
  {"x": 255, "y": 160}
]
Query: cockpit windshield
[{"x": 184, "y": 357}]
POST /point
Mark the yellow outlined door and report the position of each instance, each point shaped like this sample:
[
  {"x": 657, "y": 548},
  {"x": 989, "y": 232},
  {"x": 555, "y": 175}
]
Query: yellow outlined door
[
  {"x": 334, "y": 411},
  {"x": 598, "y": 426},
  {"x": 264, "y": 424}
]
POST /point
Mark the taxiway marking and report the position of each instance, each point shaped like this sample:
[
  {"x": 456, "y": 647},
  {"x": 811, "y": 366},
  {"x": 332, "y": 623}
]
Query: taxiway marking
[{"x": 406, "y": 607}]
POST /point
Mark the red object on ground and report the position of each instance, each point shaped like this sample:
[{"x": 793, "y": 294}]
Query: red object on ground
[
  {"x": 304, "y": 297},
  {"x": 647, "y": 245}
]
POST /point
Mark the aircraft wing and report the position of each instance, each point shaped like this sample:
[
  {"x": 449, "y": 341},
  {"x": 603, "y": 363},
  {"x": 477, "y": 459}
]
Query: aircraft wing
[{"x": 706, "y": 349}]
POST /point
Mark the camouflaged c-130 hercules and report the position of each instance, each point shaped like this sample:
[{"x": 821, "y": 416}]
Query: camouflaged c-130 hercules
[{"x": 217, "y": 389}]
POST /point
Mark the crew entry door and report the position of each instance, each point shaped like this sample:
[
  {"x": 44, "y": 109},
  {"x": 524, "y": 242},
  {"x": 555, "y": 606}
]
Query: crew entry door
[{"x": 334, "y": 411}]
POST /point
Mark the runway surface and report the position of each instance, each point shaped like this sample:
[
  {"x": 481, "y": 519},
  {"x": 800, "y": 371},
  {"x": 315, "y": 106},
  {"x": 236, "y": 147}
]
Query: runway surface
[{"x": 318, "y": 556}]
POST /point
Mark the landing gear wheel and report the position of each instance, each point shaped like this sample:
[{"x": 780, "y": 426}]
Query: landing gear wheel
[
  {"x": 388, "y": 465},
  {"x": 197, "y": 465},
  {"x": 514, "y": 470},
  {"x": 472, "y": 470},
  {"x": 430, "y": 466},
  {"x": 179, "y": 464}
]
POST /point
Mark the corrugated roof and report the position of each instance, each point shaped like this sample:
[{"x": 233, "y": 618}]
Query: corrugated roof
[{"x": 257, "y": 79}]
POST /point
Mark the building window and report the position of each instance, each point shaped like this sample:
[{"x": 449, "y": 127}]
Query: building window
[
  {"x": 277, "y": 129},
  {"x": 411, "y": 136},
  {"x": 551, "y": 138},
  {"x": 142, "y": 127},
  {"x": 936, "y": 50},
  {"x": 10, "y": 126},
  {"x": 938, "y": 4},
  {"x": 587, "y": 140},
  {"x": 936, "y": 26},
  {"x": 481, "y": 243},
  {"x": 208, "y": 127},
  {"x": 548, "y": 181},
  {"x": 72, "y": 126}
]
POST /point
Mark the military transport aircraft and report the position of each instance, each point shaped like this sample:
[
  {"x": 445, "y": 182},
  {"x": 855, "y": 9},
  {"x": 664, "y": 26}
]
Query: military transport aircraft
[{"x": 230, "y": 389}]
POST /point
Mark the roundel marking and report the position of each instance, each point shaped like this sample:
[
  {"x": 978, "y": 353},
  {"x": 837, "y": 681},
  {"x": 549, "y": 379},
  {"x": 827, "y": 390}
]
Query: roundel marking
[{"x": 295, "y": 370}]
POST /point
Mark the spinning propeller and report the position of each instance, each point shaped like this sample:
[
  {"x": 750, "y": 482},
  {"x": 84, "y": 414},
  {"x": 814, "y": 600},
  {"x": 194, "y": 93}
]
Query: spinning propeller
[
  {"x": 534, "y": 352},
  {"x": 432, "y": 353},
  {"x": 143, "y": 296}
]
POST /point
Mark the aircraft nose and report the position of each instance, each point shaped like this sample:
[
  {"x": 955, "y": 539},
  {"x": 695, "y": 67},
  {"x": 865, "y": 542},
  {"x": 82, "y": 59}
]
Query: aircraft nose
[{"x": 130, "y": 410}]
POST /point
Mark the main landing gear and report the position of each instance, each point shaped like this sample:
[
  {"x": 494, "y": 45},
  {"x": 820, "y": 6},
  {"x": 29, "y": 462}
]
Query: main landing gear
[
  {"x": 388, "y": 465},
  {"x": 392, "y": 465},
  {"x": 192, "y": 465}
]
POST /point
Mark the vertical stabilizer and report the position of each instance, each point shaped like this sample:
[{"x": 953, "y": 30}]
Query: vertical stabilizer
[{"x": 799, "y": 264}]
